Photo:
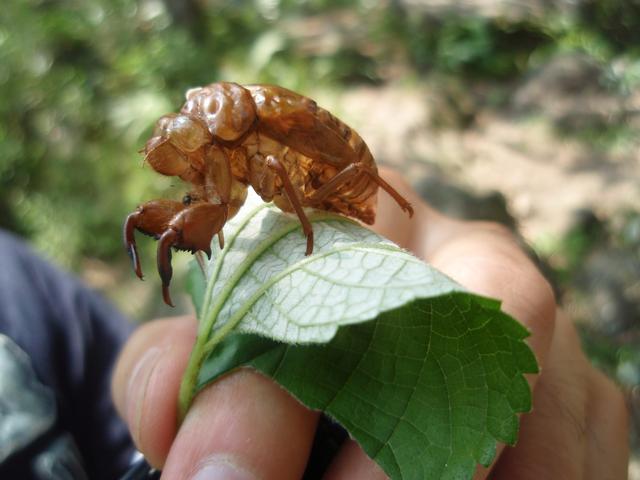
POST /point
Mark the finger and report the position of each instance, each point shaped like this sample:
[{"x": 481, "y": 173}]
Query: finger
[
  {"x": 146, "y": 381},
  {"x": 552, "y": 438},
  {"x": 353, "y": 464},
  {"x": 230, "y": 422},
  {"x": 243, "y": 427},
  {"x": 607, "y": 455},
  {"x": 578, "y": 426}
]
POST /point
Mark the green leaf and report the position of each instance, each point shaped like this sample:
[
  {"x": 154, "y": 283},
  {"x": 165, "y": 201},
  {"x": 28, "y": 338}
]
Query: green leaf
[{"x": 424, "y": 375}]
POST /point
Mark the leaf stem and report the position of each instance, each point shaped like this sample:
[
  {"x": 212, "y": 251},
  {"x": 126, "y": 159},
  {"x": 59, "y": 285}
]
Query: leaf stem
[{"x": 189, "y": 380}]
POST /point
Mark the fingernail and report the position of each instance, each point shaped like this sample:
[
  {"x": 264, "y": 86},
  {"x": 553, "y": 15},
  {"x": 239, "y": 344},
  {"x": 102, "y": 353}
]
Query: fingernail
[
  {"x": 136, "y": 388},
  {"x": 222, "y": 468}
]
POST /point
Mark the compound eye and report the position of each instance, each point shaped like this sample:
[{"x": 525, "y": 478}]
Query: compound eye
[
  {"x": 187, "y": 134},
  {"x": 187, "y": 199}
]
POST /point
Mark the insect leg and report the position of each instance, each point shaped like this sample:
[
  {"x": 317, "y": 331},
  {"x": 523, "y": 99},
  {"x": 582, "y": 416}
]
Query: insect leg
[
  {"x": 175, "y": 225},
  {"x": 163, "y": 259},
  {"x": 150, "y": 218},
  {"x": 217, "y": 180},
  {"x": 274, "y": 164},
  {"x": 339, "y": 179},
  {"x": 191, "y": 229},
  {"x": 348, "y": 173},
  {"x": 130, "y": 242},
  {"x": 400, "y": 200}
]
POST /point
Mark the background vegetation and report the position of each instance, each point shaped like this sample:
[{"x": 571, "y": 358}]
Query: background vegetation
[{"x": 82, "y": 81}]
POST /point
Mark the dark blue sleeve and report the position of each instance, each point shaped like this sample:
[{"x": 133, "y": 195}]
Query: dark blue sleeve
[{"x": 72, "y": 338}]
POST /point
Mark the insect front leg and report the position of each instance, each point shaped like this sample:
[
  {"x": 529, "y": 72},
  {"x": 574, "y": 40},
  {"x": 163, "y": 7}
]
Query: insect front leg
[
  {"x": 274, "y": 164},
  {"x": 151, "y": 218},
  {"x": 218, "y": 180},
  {"x": 174, "y": 225},
  {"x": 192, "y": 229}
]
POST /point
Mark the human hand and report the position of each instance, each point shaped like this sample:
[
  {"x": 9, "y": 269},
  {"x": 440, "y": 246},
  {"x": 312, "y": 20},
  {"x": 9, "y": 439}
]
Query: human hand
[{"x": 247, "y": 427}]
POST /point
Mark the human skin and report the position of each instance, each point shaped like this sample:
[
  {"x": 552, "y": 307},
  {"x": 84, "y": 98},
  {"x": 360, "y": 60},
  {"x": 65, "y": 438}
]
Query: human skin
[{"x": 245, "y": 427}]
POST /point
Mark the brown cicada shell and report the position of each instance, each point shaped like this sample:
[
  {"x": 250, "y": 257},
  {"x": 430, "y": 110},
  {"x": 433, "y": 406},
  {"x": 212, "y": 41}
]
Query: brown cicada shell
[{"x": 228, "y": 137}]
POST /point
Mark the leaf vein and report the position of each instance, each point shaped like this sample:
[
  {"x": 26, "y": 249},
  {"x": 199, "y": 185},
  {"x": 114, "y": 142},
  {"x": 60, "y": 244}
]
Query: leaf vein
[{"x": 410, "y": 396}]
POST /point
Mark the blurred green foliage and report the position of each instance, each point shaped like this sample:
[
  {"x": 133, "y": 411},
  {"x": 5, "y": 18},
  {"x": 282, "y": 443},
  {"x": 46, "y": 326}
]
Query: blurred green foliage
[
  {"x": 82, "y": 81},
  {"x": 81, "y": 84}
]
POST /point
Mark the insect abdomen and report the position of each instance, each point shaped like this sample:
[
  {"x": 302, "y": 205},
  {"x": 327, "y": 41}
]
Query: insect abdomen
[{"x": 357, "y": 198}]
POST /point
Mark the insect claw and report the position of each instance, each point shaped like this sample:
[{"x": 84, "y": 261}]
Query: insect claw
[
  {"x": 409, "y": 209},
  {"x": 136, "y": 263},
  {"x": 166, "y": 296},
  {"x": 208, "y": 252},
  {"x": 130, "y": 243},
  {"x": 163, "y": 258}
]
